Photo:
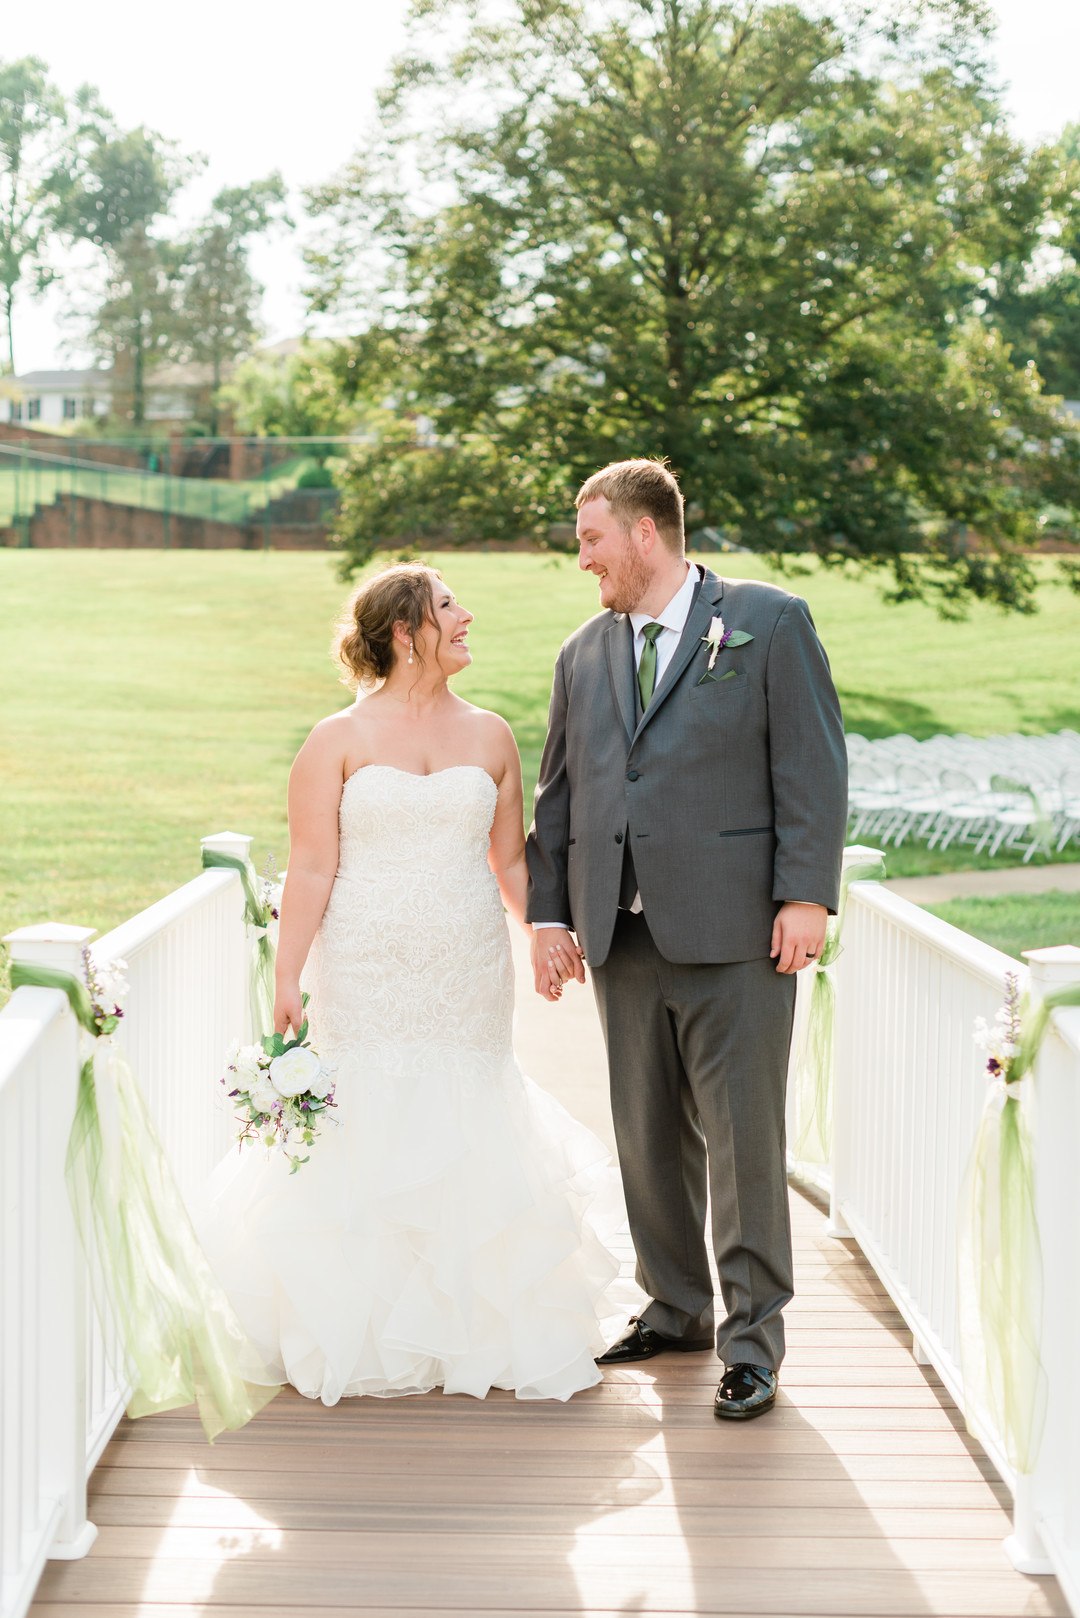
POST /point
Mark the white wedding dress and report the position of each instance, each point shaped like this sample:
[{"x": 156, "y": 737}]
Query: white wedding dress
[{"x": 453, "y": 1229}]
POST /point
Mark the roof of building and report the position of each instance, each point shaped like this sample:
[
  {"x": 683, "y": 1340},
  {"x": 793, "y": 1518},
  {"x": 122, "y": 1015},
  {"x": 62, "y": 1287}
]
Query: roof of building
[
  {"x": 62, "y": 379},
  {"x": 285, "y": 349}
]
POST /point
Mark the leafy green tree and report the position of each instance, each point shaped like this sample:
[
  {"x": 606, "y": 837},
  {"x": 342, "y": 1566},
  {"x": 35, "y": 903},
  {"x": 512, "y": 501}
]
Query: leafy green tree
[
  {"x": 1036, "y": 304},
  {"x": 33, "y": 125},
  {"x": 219, "y": 298},
  {"x": 743, "y": 236},
  {"x": 297, "y": 395},
  {"x": 119, "y": 186}
]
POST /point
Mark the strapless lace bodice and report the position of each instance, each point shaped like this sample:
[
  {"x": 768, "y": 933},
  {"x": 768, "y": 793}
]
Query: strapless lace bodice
[
  {"x": 412, "y": 955},
  {"x": 421, "y": 827}
]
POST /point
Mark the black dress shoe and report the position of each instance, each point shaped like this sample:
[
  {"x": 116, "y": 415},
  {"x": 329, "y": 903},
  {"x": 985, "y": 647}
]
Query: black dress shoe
[
  {"x": 644, "y": 1342},
  {"x": 747, "y": 1390}
]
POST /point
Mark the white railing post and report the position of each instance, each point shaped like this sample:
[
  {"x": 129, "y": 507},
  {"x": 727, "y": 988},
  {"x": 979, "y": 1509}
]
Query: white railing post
[
  {"x": 62, "y": 1363},
  {"x": 844, "y": 1075},
  {"x": 238, "y": 845},
  {"x": 1050, "y": 969},
  {"x": 228, "y": 842}
]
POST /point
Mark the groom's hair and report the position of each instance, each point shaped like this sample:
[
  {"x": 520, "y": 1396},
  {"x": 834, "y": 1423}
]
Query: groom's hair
[{"x": 635, "y": 489}]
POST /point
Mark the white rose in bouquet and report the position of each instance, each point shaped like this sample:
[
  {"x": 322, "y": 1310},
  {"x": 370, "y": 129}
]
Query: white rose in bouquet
[
  {"x": 245, "y": 1064},
  {"x": 320, "y": 1087},
  {"x": 294, "y": 1072},
  {"x": 262, "y": 1092}
]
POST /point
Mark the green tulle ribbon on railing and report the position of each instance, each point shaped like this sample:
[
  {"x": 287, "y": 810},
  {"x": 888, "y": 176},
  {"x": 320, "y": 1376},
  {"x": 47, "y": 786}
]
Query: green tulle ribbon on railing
[
  {"x": 815, "y": 1056},
  {"x": 258, "y": 915},
  {"x": 999, "y": 1258},
  {"x": 179, "y": 1341}
]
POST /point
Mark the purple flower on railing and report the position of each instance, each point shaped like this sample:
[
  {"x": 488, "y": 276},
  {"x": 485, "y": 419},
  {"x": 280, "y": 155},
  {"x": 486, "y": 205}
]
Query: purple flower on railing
[
  {"x": 1001, "y": 1038},
  {"x": 107, "y": 987}
]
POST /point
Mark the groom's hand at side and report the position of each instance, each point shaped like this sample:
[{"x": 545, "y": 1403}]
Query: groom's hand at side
[
  {"x": 550, "y": 949},
  {"x": 798, "y": 935}
]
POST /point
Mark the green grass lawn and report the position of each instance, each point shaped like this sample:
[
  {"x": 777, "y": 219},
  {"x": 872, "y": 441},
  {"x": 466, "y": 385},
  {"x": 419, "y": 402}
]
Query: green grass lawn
[
  {"x": 1016, "y": 921},
  {"x": 151, "y": 697}
]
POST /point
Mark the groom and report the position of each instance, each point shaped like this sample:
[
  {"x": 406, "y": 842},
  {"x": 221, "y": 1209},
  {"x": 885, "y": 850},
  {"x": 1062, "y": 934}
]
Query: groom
[{"x": 690, "y": 820}]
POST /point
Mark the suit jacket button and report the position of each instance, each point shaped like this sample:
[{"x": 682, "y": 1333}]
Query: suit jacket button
[
  {"x": 618, "y": 836},
  {"x": 631, "y": 775}
]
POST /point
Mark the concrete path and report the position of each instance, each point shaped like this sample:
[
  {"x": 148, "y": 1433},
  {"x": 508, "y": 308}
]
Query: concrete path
[{"x": 935, "y": 890}]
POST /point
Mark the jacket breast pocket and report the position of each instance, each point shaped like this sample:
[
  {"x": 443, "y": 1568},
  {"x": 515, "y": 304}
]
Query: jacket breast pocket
[{"x": 721, "y": 688}]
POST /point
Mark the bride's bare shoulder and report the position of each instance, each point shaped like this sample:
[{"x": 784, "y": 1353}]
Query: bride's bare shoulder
[
  {"x": 332, "y": 737},
  {"x": 491, "y": 741},
  {"x": 491, "y": 726}
]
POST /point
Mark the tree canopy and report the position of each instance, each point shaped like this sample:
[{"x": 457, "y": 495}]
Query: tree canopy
[
  {"x": 219, "y": 297},
  {"x": 751, "y": 238},
  {"x": 33, "y": 129},
  {"x": 121, "y": 183},
  {"x": 1036, "y": 302}
]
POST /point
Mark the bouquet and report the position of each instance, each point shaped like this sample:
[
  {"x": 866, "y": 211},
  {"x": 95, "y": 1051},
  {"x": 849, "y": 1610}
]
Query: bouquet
[{"x": 281, "y": 1090}]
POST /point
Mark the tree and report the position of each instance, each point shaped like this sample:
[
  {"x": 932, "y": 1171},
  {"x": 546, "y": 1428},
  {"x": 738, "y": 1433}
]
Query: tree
[
  {"x": 33, "y": 123},
  {"x": 1037, "y": 304},
  {"x": 297, "y": 395},
  {"x": 118, "y": 187},
  {"x": 219, "y": 297},
  {"x": 741, "y": 236}
]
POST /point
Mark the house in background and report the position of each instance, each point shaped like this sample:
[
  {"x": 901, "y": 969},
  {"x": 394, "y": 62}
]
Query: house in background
[
  {"x": 55, "y": 398},
  {"x": 59, "y": 399}
]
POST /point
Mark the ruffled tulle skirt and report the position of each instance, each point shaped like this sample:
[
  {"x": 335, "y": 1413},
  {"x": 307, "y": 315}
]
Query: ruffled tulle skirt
[{"x": 453, "y": 1230}]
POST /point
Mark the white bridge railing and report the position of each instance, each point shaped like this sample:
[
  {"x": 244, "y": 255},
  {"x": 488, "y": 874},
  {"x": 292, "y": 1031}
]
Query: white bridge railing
[
  {"x": 909, "y": 1091},
  {"x": 59, "y": 1400}
]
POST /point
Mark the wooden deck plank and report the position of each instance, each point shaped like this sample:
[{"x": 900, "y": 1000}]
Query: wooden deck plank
[
  {"x": 281, "y": 1549},
  {"x": 173, "y": 1490},
  {"x": 149, "y": 1609},
  {"x": 482, "y": 1586},
  {"x": 736, "y": 1519},
  {"x": 861, "y": 1496}
]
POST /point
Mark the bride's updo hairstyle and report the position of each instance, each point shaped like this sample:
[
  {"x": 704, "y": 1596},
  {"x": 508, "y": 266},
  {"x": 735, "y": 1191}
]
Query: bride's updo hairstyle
[{"x": 364, "y": 639}]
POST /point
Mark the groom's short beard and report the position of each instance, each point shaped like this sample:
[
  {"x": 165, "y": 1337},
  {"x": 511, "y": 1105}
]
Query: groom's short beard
[{"x": 632, "y": 581}]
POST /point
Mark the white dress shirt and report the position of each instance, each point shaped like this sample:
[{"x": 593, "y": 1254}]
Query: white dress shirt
[{"x": 673, "y": 618}]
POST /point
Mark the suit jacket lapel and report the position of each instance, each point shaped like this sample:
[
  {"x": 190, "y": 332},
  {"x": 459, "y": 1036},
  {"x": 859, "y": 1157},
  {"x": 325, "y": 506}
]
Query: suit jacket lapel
[
  {"x": 707, "y": 598},
  {"x": 619, "y": 645}
]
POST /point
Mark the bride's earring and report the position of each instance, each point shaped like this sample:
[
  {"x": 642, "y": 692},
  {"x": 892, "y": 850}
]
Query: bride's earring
[{"x": 410, "y": 651}]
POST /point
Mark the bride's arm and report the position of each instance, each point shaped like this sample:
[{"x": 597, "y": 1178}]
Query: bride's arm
[
  {"x": 314, "y": 799},
  {"x": 506, "y": 855}
]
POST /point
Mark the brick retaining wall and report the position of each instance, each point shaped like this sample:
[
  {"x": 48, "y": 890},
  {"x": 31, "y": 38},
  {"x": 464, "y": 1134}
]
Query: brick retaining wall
[
  {"x": 59, "y": 444},
  {"x": 105, "y": 525}
]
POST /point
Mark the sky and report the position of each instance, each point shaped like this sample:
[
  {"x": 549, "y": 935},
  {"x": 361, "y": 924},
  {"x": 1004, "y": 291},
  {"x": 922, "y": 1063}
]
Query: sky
[{"x": 275, "y": 86}]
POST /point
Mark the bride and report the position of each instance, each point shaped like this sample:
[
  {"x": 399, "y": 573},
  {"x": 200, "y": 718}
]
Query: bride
[{"x": 453, "y": 1231}]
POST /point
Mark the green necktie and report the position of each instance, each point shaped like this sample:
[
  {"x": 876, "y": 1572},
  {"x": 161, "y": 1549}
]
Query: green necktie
[{"x": 646, "y": 674}]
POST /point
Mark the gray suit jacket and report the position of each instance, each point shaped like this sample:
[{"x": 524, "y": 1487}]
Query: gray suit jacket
[{"x": 732, "y": 792}]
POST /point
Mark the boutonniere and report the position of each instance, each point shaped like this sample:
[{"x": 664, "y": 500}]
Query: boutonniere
[{"x": 716, "y": 637}]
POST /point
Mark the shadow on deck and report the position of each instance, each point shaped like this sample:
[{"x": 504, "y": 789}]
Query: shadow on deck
[{"x": 860, "y": 1494}]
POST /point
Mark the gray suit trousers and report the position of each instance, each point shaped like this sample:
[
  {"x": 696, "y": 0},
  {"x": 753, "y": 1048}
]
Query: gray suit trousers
[{"x": 698, "y": 1062}]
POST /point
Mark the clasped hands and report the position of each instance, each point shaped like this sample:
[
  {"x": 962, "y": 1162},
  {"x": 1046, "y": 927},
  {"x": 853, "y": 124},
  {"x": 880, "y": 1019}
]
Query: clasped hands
[
  {"x": 556, "y": 958},
  {"x": 798, "y": 937}
]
